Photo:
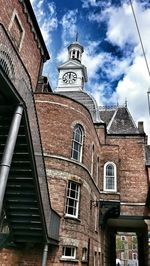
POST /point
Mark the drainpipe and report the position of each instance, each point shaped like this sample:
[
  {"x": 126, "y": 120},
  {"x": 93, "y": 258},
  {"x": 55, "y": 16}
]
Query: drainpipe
[
  {"x": 45, "y": 253},
  {"x": 8, "y": 152}
]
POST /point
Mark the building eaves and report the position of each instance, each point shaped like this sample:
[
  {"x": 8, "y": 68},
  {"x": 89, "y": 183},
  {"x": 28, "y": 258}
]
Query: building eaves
[{"x": 36, "y": 26}]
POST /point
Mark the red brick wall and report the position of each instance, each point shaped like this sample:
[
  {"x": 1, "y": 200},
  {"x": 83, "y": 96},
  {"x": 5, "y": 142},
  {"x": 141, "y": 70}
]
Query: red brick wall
[
  {"x": 57, "y": 117},
  {"x": 29, "y": 53},
  {"x": 30, "y": 256},
  {"x": 132, "y": 176}
]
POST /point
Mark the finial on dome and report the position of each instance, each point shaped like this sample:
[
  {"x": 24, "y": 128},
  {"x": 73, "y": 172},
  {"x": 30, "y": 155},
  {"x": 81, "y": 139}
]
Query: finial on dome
[{"x": 77, "y": 35}]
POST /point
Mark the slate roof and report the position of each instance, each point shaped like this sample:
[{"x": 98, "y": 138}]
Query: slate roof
[
  {"x": 87, "y": 100},
  {"x": 118, "y": 120}
]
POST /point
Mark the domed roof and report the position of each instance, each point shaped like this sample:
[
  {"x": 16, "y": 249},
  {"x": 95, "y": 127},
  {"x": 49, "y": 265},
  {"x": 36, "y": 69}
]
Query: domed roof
[{"x": 87, "y": 100}]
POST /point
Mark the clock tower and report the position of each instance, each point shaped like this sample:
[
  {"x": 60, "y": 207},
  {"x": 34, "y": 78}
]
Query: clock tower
[{"x": 72, "y": 74}]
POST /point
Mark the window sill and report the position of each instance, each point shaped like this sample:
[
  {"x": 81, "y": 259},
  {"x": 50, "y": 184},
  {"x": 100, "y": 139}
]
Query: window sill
[
  {"x": 72, "y": 218},
  {"x": 110, "y": 192},
  {"x": 69, "y": 260}
]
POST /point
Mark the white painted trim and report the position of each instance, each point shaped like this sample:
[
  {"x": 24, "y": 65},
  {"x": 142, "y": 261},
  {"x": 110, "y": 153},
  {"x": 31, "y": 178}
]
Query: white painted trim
[
  {"x": 115, "y": 178},
  {"x": 132, "y": 204},
  {"x": 15, "y": 14},
  {"x": 72, "y": 161}
]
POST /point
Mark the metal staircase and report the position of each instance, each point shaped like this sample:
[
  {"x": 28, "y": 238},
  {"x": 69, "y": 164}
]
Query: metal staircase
[{"x": 22, "y": 197}]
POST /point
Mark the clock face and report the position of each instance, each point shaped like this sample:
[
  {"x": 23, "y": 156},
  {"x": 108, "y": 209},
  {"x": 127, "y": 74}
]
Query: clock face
[{"x": 69, "y": 77}]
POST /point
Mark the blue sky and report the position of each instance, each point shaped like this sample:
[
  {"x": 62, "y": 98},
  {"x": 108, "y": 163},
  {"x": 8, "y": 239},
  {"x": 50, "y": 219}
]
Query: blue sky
[{"x": 113, "y": 56}]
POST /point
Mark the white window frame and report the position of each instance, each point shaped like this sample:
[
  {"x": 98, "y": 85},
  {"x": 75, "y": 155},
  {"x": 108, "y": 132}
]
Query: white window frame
[
  {"x": 134, "y": 243},
  {"x": 123, "y": 238},
  {"x": 73, "y": 252},
  {"x": 114, "y": 176},
  {"x": 79, "y": 144},
  {"x": 75, "y": 199},
  {"x": 134, "y": 254}
]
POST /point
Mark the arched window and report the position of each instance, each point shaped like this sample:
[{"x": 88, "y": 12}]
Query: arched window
[
  {"x": 110, "y": 179},
  {"x": 77, "y": 143}
]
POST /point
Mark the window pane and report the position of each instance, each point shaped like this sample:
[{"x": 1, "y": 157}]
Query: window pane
[
  {"x": 69, "y": 252},
  {"x": 109, "y": 170},
  {"x": 72, "y": 199},
  {"x": 76, "y": 146},
  {"x": 109, "y": 183},
  {"x": 77, "y": 143},
  {"x": 78, "y": 135}
]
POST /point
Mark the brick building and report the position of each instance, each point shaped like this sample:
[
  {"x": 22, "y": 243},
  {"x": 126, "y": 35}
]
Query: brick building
[
  {"x": 127, "y": 249},
  {"x": 93, "y": 162},
  {"x": 27, "y": 219}
]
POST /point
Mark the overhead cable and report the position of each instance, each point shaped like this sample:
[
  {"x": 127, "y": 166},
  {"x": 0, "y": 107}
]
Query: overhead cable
[{"x": 140, "y": 37}]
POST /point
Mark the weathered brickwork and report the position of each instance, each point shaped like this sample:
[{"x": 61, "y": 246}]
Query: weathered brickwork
[
  {"x": 29, "y": 52},
  {"x": 57, "y": 116},
  {"x": 60, "y": 114},
  {"x": 28, "y": 256}
]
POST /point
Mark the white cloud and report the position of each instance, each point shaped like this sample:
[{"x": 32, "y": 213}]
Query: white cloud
[
  {"x": 63, "y": 55},
  {"x": 97, "y": 90},
  {"x": 47, "y": 18},
  {"x": 92, "y": 59},
  {"x": 69, "y": 27},
  {"x": 122, "y": 32},
  {"x": 95, "y": 3}
]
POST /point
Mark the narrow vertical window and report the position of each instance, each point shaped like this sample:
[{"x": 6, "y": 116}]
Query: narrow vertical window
[
  {"x": 110, "y": 180},
  {"x": 77, "y": 143},
  {"x": 95, "y": 258},
  {"x": 97, "y": 171},
  {"x": 96, "y": 218},
  {"x": 72, "y": 202},
  {"x": 92, "y": 161},
  {"x": 84, "y": 254}
]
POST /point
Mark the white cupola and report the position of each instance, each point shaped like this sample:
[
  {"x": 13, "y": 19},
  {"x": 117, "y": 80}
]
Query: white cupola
[
  {"x": 72, "y": 74},
  {"x": 75, "y": 51}
]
